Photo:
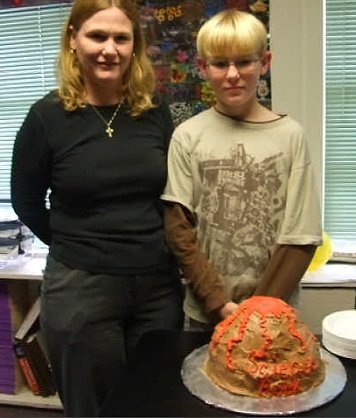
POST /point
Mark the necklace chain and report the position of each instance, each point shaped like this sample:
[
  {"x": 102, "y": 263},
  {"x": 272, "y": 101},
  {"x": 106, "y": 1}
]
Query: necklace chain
[{"x": 109, "y": 129}]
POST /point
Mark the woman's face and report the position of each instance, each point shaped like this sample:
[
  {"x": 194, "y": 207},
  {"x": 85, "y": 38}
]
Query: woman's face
[{"x": 104, "y": 46}]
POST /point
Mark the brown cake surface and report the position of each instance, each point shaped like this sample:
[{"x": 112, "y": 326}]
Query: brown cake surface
[{"x": 264, "y": 349}]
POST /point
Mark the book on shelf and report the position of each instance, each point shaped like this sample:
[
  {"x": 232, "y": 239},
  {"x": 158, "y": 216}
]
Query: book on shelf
[
  {"x": 14, "y": 304},
  {"x": 29, "y": 321},
  {"x": 26, "y": 368},
  {"x": 32, "y": 354}
]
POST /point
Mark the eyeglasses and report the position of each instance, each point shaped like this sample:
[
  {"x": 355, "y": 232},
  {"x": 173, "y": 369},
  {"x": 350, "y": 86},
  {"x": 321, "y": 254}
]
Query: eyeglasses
[{"x": 243, "y": 66}]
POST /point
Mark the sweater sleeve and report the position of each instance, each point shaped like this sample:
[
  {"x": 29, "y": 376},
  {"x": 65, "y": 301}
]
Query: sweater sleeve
[
  {"x": 201, "y": 275},
  {"x": 284, "y": 270},
  {"x": 30, "y": 176}
]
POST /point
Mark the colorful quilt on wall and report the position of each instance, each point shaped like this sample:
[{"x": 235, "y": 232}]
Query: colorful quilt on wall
[{"x": 171, "y": 28}]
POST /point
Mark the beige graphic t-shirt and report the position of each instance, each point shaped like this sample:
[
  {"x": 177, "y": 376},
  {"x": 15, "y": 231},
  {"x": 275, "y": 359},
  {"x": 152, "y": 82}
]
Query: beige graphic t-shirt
[{"x": 251, "y": 186}]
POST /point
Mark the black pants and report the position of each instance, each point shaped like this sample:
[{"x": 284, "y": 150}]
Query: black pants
[{"x": 92, "y": 322}]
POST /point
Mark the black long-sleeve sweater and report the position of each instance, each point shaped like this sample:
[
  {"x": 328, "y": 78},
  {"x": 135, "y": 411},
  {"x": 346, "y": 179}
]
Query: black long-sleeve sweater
[{"x": 105, "y": 215}]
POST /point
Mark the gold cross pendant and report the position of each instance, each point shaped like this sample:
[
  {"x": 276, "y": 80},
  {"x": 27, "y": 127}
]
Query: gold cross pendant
[{"x": 109, "y": 130}]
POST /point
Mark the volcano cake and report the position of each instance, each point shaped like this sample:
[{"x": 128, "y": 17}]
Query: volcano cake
[{"x": 263, "y": 350}]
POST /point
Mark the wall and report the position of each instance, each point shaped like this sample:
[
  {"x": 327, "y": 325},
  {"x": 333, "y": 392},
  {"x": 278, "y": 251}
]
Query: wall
[{"x": 297, "y": 68}]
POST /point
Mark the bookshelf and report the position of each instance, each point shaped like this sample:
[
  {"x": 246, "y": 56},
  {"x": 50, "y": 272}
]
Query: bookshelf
[
  {"x": 27, "y": 269},
  {"x": 24, "y": 397},
  {"x": 28, "y": 273}
]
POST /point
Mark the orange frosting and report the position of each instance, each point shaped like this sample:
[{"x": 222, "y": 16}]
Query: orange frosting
[{"x": 273, "y": 375}]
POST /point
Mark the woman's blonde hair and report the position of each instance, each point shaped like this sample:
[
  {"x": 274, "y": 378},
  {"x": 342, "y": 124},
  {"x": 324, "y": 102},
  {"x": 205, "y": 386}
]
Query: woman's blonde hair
[
  {"x": 231, "y": 32},
  {"x": 139, "y": 78}
]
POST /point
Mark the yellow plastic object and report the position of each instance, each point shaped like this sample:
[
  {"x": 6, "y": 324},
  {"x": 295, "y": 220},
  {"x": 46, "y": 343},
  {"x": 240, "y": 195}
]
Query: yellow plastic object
[{"x": 322, "y": 253}]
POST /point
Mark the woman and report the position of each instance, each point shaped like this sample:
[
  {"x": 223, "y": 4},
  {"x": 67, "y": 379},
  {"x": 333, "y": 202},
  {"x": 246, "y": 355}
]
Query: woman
[{"x": 98, "y": 144}]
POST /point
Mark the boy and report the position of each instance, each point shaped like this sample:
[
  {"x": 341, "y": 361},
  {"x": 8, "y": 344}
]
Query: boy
[{"x": 242, "y": 213}]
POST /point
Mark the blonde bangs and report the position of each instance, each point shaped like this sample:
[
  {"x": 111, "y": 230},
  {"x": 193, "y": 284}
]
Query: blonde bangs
[
  {"x": 227, "y": 44},
  {"x": 231, "y": 32}
]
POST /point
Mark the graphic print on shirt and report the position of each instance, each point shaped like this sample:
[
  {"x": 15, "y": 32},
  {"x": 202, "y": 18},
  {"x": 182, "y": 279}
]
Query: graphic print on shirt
[{"x": 240, "y": 213}]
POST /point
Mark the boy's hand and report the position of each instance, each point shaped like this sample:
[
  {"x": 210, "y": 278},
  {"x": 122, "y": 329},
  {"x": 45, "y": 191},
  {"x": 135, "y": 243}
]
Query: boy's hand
[{"x": 228, "y": 309}]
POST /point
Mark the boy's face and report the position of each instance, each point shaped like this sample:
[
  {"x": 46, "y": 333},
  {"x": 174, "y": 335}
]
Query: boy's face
[{"x": 234, "y": 80}]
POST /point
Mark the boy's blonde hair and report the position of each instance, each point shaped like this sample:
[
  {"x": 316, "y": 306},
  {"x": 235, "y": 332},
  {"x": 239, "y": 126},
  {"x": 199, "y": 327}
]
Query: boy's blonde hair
[
  {"x": 232, "y": 32},
  {"x": 139, "y": 79}
]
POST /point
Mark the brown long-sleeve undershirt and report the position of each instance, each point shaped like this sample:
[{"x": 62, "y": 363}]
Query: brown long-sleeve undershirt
[
  {"x": 280, "y": 277},
  {"x": 181, "y": 235}
]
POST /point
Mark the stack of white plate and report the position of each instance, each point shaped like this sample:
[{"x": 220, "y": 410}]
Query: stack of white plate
[{"x": 339, "y": 333}]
